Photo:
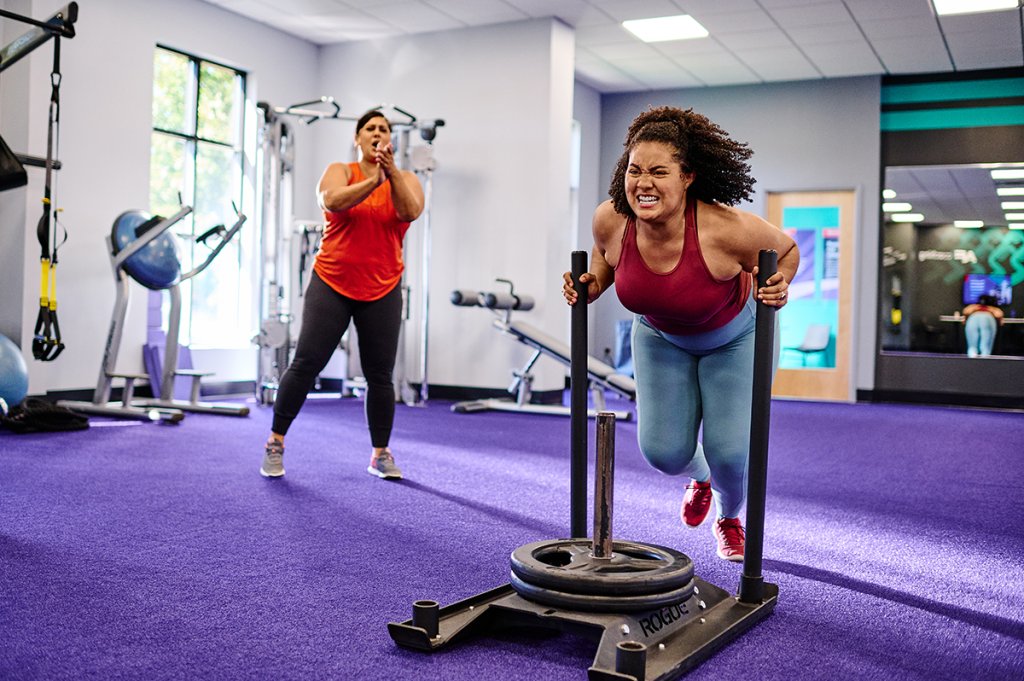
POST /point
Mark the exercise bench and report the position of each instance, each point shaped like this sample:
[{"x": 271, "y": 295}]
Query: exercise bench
[{"x": 600, "y": 376}]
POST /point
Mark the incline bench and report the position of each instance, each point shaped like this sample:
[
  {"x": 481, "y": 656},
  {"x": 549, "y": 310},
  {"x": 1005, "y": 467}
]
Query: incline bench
[{"x": 601, "y": 376}]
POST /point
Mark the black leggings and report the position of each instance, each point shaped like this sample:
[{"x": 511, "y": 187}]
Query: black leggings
[{"x": 325, "y": 317}]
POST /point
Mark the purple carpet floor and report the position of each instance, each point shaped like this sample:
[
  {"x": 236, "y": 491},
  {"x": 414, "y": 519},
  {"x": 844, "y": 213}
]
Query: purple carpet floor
[{"x": 145, "y": 551}]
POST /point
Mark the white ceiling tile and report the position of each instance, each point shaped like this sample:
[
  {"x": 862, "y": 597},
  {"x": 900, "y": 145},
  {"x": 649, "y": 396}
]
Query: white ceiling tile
[
  {"x": 777, "y": 4},
  {"x": 1009, "y": 39},
  {"x": 844, "y": 59},
  {"x": 981, "y": 23},
  {"x": 478, "y": 11},
  {"x": 673, "y": 81},
  {"x": 636, "y": 9},
  {"x": 718, "y": 69},
  {"x": 873, "y": 10},
  {"x": 622, "y": 51},
  {"x": 364, "y": 4},
  {"x": 659, "y": 72},
  {"x": 737, "y": 22},
  {"x": 254, "y": 9},
  {"x": 986, "y": 45},
  {"x": 754, "y": 39},
  {"x": 902, "y": 56},
  {"x": 778, "y": 63},
  {"x": 987, "y": 57},
  {"x": 572, "y": 11},
  {"x": 725, "y": 77},
  {"x": 604, "y": 77},
  {"x": 603, "y": 35},
  {"x": 652, "y": 64},
  {"x": 705, "y": 46},
  {"x": 825, "y": 33},
  {"x": 306, "y": 6},
  {"x": 905, "y": 28},
  {"x": 413, "y": 17},
  {"x": 717, "y": 6},
  {"x": 811, "y": 15}
]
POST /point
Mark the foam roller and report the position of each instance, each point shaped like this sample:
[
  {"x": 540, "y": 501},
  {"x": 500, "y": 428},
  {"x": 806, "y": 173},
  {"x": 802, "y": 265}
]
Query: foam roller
[
  {"x": 506, "y": 301},
  {"x": 465, "y": 298}
]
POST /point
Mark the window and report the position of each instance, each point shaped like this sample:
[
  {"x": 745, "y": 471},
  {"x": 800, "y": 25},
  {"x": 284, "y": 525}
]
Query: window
[{"x": 197, "y": 154}]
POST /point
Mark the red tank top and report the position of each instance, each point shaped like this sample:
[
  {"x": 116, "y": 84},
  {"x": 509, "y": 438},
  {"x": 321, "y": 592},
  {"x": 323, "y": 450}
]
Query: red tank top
[
  {"x": 685, "y": 301},
  {"x": 360, "y": 254}
]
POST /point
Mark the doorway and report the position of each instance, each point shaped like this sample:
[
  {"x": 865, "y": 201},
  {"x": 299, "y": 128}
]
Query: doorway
[{"x": 815, "y": 360}]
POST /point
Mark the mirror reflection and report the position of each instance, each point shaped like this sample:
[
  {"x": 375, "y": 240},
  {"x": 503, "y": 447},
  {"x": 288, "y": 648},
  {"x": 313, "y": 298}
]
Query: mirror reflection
[{"x": 953, "y": 260}]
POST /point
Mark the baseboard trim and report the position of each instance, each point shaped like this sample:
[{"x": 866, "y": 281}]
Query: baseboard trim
[{"x": 997, "y": 402}]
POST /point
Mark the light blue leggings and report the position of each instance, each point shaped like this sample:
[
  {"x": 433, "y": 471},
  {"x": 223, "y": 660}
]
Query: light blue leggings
[
  {"x": 683, "y": 381},
  {"x": 980, "y": 329}
]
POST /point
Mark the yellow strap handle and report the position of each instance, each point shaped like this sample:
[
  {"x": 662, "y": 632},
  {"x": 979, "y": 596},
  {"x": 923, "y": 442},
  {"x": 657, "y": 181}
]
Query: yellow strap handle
[
  {"x": 53, "y": 287},
  {"x": 44, "y": 282}
]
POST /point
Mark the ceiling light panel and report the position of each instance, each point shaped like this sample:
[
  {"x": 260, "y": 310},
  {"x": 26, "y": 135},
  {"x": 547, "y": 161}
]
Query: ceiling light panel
[
  {"x": 661, "y": 29},
  {"x": 950, "y": 7}
]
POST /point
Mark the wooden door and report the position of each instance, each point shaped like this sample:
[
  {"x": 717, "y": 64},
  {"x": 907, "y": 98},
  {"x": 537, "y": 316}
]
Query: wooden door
[{"x": 822, "y": 223}]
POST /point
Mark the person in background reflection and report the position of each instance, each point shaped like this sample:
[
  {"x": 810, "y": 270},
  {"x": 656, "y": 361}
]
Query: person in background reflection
[{"x": 981, "y": 319}]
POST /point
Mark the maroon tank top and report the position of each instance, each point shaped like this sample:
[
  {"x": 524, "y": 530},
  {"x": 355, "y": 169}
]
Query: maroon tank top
[{"x": 685, "y": 301}]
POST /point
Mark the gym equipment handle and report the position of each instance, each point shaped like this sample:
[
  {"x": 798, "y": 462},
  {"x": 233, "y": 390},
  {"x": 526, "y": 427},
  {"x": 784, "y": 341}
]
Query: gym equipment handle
[
  {"x": 752, "y": 582},
  {"x": 578, "y": 401}
]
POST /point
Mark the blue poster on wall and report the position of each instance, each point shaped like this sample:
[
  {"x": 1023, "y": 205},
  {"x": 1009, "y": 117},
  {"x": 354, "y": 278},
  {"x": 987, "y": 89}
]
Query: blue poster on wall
[
  {"x": 809, "y": 322},
  {"x": 830, "y": 264},
  {"x": 803, "y": 285}
]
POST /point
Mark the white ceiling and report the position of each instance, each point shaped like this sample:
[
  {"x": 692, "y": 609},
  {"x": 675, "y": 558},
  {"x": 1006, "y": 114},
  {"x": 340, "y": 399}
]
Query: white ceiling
[{"x": 751, "y": 41}]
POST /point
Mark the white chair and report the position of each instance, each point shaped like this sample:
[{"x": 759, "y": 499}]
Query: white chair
[{"x": 816, "y": 339}]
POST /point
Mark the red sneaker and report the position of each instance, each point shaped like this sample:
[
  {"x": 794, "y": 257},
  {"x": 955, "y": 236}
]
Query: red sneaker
[
  {"x": 696, "y": 503},
  {"x": 731, "y": 538}
]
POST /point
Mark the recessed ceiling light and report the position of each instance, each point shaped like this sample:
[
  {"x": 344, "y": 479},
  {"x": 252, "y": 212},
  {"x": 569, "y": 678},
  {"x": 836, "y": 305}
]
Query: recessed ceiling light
[
  {"x": 968, "y": 223},
  {"x": 1012, "y": 205},
  {"x": 1013, "y": 217},
  {"x": 896, "y": 207},
  {"x": 1008, "y": 174},
  {"x": 908, "y": 217},
  {"x": 947, "y": 7},
  {"x": 1010, "y": 191},
  {"x": 888, "y": 194},
  {"x": 1016, "y": 225},
  {"x": 660, "y": 29}
]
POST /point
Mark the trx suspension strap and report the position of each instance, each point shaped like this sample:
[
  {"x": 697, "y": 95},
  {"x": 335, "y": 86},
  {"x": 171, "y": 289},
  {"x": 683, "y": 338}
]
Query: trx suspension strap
[{"x": 46, "y": 342}]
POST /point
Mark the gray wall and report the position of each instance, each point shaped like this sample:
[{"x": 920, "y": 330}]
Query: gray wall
[
  {"x": 811, "y": 135},
  {"x": 593, "y": 186},
  {"x": 501, "y": 200}
]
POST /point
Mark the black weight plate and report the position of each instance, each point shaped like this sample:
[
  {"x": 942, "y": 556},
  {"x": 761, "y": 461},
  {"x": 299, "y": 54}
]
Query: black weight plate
[
  {"x": 600, "y": 602},
  {"x": 567, "y": 565}
]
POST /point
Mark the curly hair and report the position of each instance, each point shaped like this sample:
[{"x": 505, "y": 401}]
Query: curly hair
[{"x": 722, "y": 173}]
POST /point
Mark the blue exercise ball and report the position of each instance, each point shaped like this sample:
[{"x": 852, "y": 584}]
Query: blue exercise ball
[
  {"x": 157, "y": 266},
  {"x": 13, "y": 373}
]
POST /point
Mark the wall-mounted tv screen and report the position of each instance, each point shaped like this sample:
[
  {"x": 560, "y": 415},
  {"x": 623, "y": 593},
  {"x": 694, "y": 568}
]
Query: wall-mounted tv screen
[{"x": 995, "y": 285}]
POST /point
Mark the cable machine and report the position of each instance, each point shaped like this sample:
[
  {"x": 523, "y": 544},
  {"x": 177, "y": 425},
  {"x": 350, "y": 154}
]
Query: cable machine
[
  {"x": 46, "y": 342},
  {"x": 281, "y": 282}
]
